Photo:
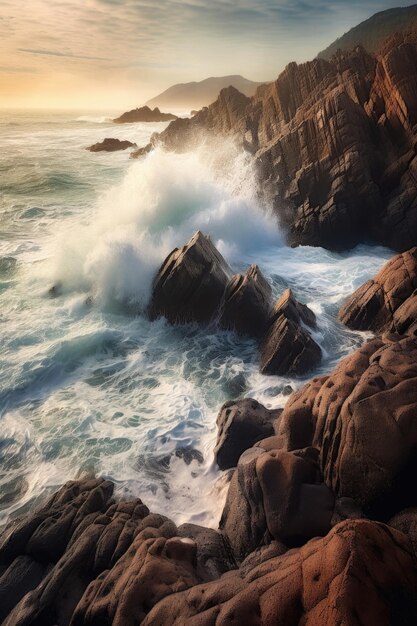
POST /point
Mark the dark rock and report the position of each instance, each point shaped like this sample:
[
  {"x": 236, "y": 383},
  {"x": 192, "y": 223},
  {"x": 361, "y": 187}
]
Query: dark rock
[
  {"x": 144, "y": 114},
  {"x": 293, "y": 310},
  {"x": 362, "y": 572},
  {"x": 214, "y": 556},
  {"x": 406, "y": 522},
  {"x": 111, "y": 145},
  {"x": 140, "y": 152},
  {"x": 190, "y": 284},
  {"x": 246, "y": 304},
  {"x": 388, "y": 301},
  {"x": 362, "y": 418},
  {"x": 288, "y": 348},
  {"x": 275, "y": 495},
  {"x": 241, "y": 424}
]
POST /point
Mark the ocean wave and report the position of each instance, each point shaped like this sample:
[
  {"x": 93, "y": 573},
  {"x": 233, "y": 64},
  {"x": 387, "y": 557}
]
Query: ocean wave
[{"x": 92, "y": 119}]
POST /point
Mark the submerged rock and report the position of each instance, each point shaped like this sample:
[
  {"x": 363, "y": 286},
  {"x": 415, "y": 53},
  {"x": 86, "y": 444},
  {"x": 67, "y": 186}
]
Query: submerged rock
[
  {"x": 388, "y": 301},
  {"x": 240, "y": 425},
  {"x": 189, "y": 285},
  {"x": 144, "y": 114},
  {"x": 111, "y": 145}
]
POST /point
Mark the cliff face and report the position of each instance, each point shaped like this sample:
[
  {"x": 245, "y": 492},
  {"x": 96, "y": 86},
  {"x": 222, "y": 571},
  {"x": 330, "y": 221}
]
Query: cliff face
[{"x": 335, "y": 144}]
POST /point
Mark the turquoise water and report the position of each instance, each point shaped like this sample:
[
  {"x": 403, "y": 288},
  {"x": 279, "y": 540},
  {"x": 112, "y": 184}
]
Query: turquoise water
[{"x": 87, "y": 383}]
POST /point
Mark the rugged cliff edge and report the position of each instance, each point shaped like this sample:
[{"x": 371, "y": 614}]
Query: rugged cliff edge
[{"x": 335, "y": 144}]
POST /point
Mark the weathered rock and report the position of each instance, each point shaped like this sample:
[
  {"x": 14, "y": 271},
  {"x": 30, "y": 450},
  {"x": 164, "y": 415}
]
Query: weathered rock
[
  {"x": 241, "y": 424},
  {"x": 361, "y": 573},
  {"x": 247, "y": 303},
  {"x": 141, "y": 152},
  {"x": 334, "y": 142},
  {"x": 144, "y": 114},
  {"x": 275, "y": 495},
  {"x": 111, "y": 145},
  {"x": 214, "y": 556},
  {"x": 190, "y": 284},
  {"x": 388, "y": 301},
  {"x": 406, "y": 522},
  {"x": 362, "y": 418},
  {"x": 287, "y": 347}
]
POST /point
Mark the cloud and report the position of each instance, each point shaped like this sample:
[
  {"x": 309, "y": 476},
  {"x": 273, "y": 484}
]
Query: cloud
[{"x": 57, "y": 53}]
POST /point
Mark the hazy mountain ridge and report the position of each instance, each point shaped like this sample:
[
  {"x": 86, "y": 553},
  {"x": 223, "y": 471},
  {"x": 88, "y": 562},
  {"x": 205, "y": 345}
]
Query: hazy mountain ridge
[
  {"x": 372, "y": 33},
  {"x": 197, "y": 94}
]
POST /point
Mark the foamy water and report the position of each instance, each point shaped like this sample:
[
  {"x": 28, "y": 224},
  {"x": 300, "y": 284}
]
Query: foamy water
[{"x": 97, "y": 387}]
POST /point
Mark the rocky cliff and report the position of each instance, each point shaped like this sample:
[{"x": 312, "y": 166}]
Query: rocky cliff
[{"x": 334, "y": 142}]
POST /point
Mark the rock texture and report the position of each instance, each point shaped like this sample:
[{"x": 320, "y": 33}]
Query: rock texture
[
  {"x": 288, "y": 347},
  {"x": 361, "y": 573},
  {"x": 362, "y": 419},
  {"x": 246, "y": 305},
  {"x": 334, "y": 142},
  {"x": 144, "y": 114},
  {"x": 241, "y": 424},
  {"x": 388, "y": 301},
  {"x": 111, "y": 145},
  {"x": 190, "y": 283}
]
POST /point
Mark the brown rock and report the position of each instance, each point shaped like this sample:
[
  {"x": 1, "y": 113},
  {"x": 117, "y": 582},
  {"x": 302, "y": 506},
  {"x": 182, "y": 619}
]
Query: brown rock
[
  {"x": 246, "y": 304},
  {"x": 241, "y": 424},
  {"x": 111, "y": 145},
  {"x": 275, "y": 495},
  {"x": 190, "y": 284},
  {"x": 362, "y": 572},
  {"x": 144, "y": 114},
  {"x": 287, "y": 347},
  {"x": 362, "y": 419},
  {"x": 388, "y": 301}
]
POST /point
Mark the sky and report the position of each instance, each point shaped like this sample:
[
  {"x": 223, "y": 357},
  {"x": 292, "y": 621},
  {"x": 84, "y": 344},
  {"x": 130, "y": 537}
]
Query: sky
[{"x": 116, "y": 54}]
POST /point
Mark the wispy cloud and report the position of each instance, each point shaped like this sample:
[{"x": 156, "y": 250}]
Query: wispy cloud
[{"x": 57, "y": 53}]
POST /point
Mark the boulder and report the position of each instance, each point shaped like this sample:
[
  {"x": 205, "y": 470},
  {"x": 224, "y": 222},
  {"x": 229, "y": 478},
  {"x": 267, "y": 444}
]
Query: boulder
[
  {"x": 388, "y": 301},
  {"x": 144, "y": 114},
  {"x": 246, "y": 303},
  {"x": 275, "y": 495},
  {"x": 111, "y": 145},
  {"x": 362, "y": 419},
  {"x": 287, "y": 347},
  {"x": 362, "y": 572},
  {"x": 190, "y": 283},
  {"x": 240, "y": 425}
]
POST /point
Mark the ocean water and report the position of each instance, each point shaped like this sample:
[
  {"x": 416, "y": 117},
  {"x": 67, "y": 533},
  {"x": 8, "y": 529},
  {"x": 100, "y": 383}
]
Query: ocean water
[{"x": 87, "y": 383}]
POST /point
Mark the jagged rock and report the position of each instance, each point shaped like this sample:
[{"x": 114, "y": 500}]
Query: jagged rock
[
  {"x": 240, "y": 425},
  {"x": 275, "y": 495},
  {"x": 140, "y": 152},
  {"x": 334, "y": 142},
  {"x": 190, "y": 284},
  {"x": 246, "y": 304},
  {"x": 362, "y": 572},
  {"x": 388, "y": 301},
  {"x": 144, "y": 114},
  {"x": 214, "y": 556},
  {"x": 111, "y": 145},
  {"x": 362, "y": 418},
  {"x": 287, "y": 347}
]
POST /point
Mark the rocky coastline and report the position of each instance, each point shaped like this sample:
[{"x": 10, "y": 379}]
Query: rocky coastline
[{"x": 319, "y": 524}]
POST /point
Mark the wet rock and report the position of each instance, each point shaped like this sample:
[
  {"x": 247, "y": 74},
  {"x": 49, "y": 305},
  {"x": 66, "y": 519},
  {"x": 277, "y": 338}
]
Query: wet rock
[
  {"x": 240, "y": 425},
  {"x": 293, "y": 310},
  {"x": 362, "y": 418},
  {"x": 140, "y": 152},
  {"x": 275, "y": 495},
  {"x": 214, "y": 556},
  {"x": 144, "y": 114},
  {"x": 388, "y": 301},
  {"x": 111, "y": 145},
  {"x": 246, "y": 304},
  {"x": 190, "y": 284},
  {"x": 362, "y": 572}
]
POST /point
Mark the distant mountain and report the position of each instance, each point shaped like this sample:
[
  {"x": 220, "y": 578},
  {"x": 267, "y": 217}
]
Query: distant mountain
[
  {"x": 372, "y": 32},
  {"x": 198, "y": 94}
]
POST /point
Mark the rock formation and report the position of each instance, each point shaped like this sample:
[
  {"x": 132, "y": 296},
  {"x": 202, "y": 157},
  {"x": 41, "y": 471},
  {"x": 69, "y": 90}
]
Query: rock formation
[
  {"x": 334, "y": 142},
  {"x": 241, "y": 424},
  {"x": 388, "y": 301},
  {"x": 144, "y": 114},
  {"x": 111, "y": 145},
  {"x": 193, "y": 285}
]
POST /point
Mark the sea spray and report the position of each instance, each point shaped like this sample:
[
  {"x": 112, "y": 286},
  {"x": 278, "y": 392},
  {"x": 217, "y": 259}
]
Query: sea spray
[{"x": 161, "y": 202}]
